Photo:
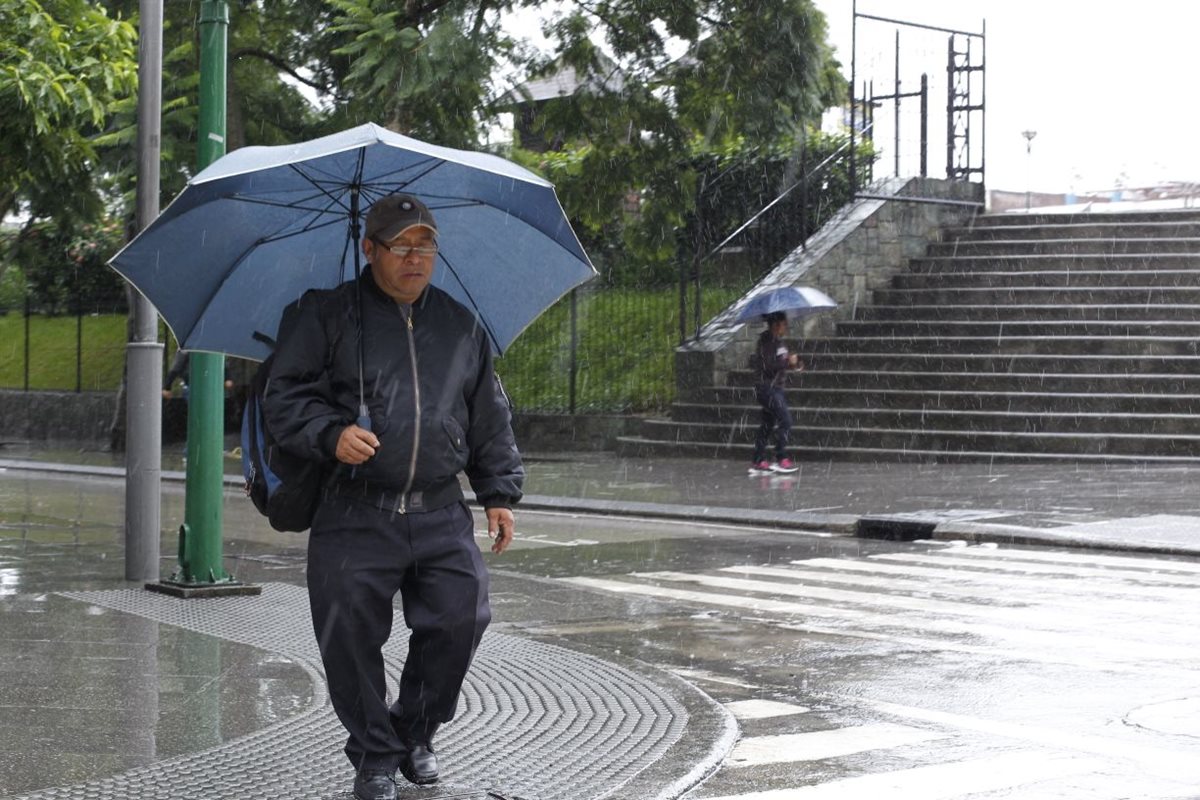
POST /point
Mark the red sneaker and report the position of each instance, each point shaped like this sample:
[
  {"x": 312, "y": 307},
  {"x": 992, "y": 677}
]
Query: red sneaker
[
  {"x": 760, "y": 468},
  {"x": 784, "y": 467}
]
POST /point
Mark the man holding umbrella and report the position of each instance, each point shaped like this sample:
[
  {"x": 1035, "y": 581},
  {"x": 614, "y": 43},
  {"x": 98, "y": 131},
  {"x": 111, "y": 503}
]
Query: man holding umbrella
[{"x": 392, "y": 518}]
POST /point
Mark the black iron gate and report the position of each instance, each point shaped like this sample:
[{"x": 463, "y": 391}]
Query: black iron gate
[{"x": 964, "y": 86}]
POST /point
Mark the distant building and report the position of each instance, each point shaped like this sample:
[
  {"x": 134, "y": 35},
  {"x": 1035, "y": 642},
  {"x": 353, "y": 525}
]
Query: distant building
[
  {"x": 528, "y": 102},
  {"x": 999, "y": 200},
  {"x": 1172, "y": 194}
]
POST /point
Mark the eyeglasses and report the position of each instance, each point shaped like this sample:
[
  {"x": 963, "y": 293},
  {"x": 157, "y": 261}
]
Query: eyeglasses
[{"x": 403, "y": 250}]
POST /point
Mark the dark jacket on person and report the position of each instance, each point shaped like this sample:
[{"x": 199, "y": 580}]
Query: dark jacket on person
[
  {"x": 772, "y": 357},
  {"x": 432, "y": 396}
]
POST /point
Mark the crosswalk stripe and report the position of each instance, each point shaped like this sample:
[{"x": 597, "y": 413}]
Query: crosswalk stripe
[
  {"x": 1162, "y": 761},
  {"x": 1131, "y": 609},
  {"x": 763, "y": 709},
  {"x": 798, "y": 573},
  {"x": 816, "y": 745},
  {"x": 938, "y": 781},
  {"x": 1148, "y": 564},
  {"x": 947, "y": 558},
  {"x": 958, "y": 608},
  {"x": 1012, "y": 597},
  {"x": 1111, "y": 647},
  {"x": 975, "y": 577},
  {"x": 1035, "y": 655}
]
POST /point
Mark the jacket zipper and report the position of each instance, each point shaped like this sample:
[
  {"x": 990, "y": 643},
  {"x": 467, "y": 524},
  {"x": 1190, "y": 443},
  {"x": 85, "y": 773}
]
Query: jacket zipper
[{"x": 412, "y": 466}]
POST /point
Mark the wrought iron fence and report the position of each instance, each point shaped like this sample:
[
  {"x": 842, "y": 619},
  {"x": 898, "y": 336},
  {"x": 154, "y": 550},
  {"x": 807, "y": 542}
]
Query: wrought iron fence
[
  {"x": 70, "y": 340},
  {"x": 610, "y": 345}
]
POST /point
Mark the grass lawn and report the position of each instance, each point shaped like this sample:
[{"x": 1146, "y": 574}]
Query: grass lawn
[
  {"x": 626, "y": 353},
  {"x": 52, "y": 345}
]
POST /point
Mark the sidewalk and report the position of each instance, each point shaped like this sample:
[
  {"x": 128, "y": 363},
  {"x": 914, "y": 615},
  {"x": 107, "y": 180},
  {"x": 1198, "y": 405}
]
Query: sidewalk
[
  {"x": 114, "y": 692},
  {"x": 1150, "y": 508}
]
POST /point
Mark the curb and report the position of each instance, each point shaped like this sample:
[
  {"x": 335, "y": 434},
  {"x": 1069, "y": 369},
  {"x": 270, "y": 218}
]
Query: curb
[{"x": 842, "y": 524}]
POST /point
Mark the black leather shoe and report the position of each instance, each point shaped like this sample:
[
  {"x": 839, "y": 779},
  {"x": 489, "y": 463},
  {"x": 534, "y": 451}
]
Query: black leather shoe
[
  {"x": 419, "y": 764},
  {"x": 375, "y": 784}
]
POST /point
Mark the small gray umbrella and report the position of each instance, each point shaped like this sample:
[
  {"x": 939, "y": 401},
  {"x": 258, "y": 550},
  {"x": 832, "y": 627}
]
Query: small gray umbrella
[
  {"x": 262, "y": 225},
  {"x": 794, "y": 301}
]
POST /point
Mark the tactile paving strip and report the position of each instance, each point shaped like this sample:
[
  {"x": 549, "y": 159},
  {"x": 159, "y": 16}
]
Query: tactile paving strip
[{"x": 540, "y": 721}]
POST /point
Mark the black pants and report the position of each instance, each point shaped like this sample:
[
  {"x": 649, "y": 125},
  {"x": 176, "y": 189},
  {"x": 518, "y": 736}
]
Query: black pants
[
  {"x": 358, "y": 559},
  {"x": 775, "y": 416}
]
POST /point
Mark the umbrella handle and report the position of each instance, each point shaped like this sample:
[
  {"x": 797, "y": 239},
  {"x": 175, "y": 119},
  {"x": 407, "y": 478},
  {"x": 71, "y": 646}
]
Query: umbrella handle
[{"x": 364, "y": 419}]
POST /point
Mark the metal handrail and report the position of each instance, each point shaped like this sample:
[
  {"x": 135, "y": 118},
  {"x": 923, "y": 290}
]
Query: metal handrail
[{"x": 804, "y": 179}]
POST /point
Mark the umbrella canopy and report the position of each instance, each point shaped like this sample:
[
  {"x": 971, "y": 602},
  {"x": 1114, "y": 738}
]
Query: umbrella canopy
[
  {"x": 262, "y": 225},
  {"x": 794, "y": 301}
]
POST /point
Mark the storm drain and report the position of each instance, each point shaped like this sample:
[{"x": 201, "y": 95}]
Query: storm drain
[
  {"x": 894, "y": 529},
  {"x": 537, "y": 720}
]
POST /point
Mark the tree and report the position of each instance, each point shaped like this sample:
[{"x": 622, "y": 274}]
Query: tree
[
  {"x": 63, "y": 65},
  {"x": 753, "y": 73}
]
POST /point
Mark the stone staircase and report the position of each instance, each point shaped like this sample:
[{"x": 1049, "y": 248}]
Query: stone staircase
[{"x": 1039, "y": 337}]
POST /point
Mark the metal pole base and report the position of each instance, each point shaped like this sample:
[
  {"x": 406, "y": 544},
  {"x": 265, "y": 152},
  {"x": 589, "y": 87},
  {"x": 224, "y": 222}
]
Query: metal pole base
[{"x": 188, "y": 590}]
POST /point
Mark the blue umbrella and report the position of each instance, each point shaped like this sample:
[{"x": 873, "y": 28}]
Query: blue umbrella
[
  {"x": 794, "y": 301},
  {"x": 262, "y": 225}
]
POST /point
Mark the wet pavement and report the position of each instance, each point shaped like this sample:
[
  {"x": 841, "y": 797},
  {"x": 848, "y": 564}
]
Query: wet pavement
[
  {"x": 109, "y": 691},
  {"x": 1153, "y": 508}
]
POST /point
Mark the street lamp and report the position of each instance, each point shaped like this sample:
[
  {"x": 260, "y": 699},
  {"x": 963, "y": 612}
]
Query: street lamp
[{"x": 1028, "y": 157}]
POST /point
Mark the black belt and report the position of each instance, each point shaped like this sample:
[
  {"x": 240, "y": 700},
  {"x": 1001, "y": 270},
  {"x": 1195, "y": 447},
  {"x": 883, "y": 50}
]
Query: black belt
[{"x": 395, "y": 502}]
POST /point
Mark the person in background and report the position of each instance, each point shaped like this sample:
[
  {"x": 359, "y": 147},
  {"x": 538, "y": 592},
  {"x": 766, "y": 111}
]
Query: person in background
[{"x": 774, "y": 361}]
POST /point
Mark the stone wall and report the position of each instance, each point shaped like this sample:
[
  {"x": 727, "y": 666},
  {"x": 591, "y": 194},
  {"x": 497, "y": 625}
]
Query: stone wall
[
  {"x": 84, "y": 417},
  {"x": 854, "y": 253}
]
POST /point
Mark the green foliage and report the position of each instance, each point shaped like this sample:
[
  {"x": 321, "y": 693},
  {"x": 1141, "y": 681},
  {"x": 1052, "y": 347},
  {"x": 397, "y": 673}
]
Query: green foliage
[
  {"x": 12, "y": 289},
  {"x": 722, "y": 87},
  {"x": 266, "y": 41},
  {"x": 424, "y": 71},
  {"x": 63, "y": 64},
  {"x": 698, "y": 200},
  {"x": 65, "y": 270}
]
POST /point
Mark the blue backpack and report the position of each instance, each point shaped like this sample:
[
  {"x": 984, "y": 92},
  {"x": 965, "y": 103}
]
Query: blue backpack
[{"x": 284, "y": 487}]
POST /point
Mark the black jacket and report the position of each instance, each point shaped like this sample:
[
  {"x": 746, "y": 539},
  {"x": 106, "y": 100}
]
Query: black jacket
[
  {"x": 772, "y": 356},
  {"x": 433, "y": 398}
]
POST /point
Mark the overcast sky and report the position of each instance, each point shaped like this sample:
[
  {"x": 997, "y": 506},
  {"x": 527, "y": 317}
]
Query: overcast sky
[{"x": 1109, "y": 88}]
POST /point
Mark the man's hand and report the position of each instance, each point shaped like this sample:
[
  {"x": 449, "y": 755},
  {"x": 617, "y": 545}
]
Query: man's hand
[
  {"x": 500, "y": 528},
  {"x": 355, "y": 445}
]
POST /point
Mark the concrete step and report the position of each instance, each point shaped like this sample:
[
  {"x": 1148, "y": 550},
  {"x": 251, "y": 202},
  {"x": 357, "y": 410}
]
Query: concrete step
[
  {"x": 744, "y": 420},
  {"x": 917, "y": 309},
  {"x": 997, "y": 328},
  {"x": 1074, "y": 278},
  {"x": 1007, "y": 345},
  {"x": 635, "y": 446},
  {"x": 732, "y": 403},
  {"x": 1024, "y": 362},
  {"x": 1119, "y": 218},
  {"x": 1087, "y": 246},
  {"x": 1037, "y": 295},
  {"x": 940, "y": 380},
  {"x": 1067, "y": 261},
  {"x": 680, "y": 435},
  {"x": 1094, "y": 228}
]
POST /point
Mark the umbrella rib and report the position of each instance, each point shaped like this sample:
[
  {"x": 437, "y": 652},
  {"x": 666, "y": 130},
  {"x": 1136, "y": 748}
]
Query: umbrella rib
[
  {"x": 433, "y": 163},
  {"x": 479, "y": 315},
  {"x": 297, "y": 232}
]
